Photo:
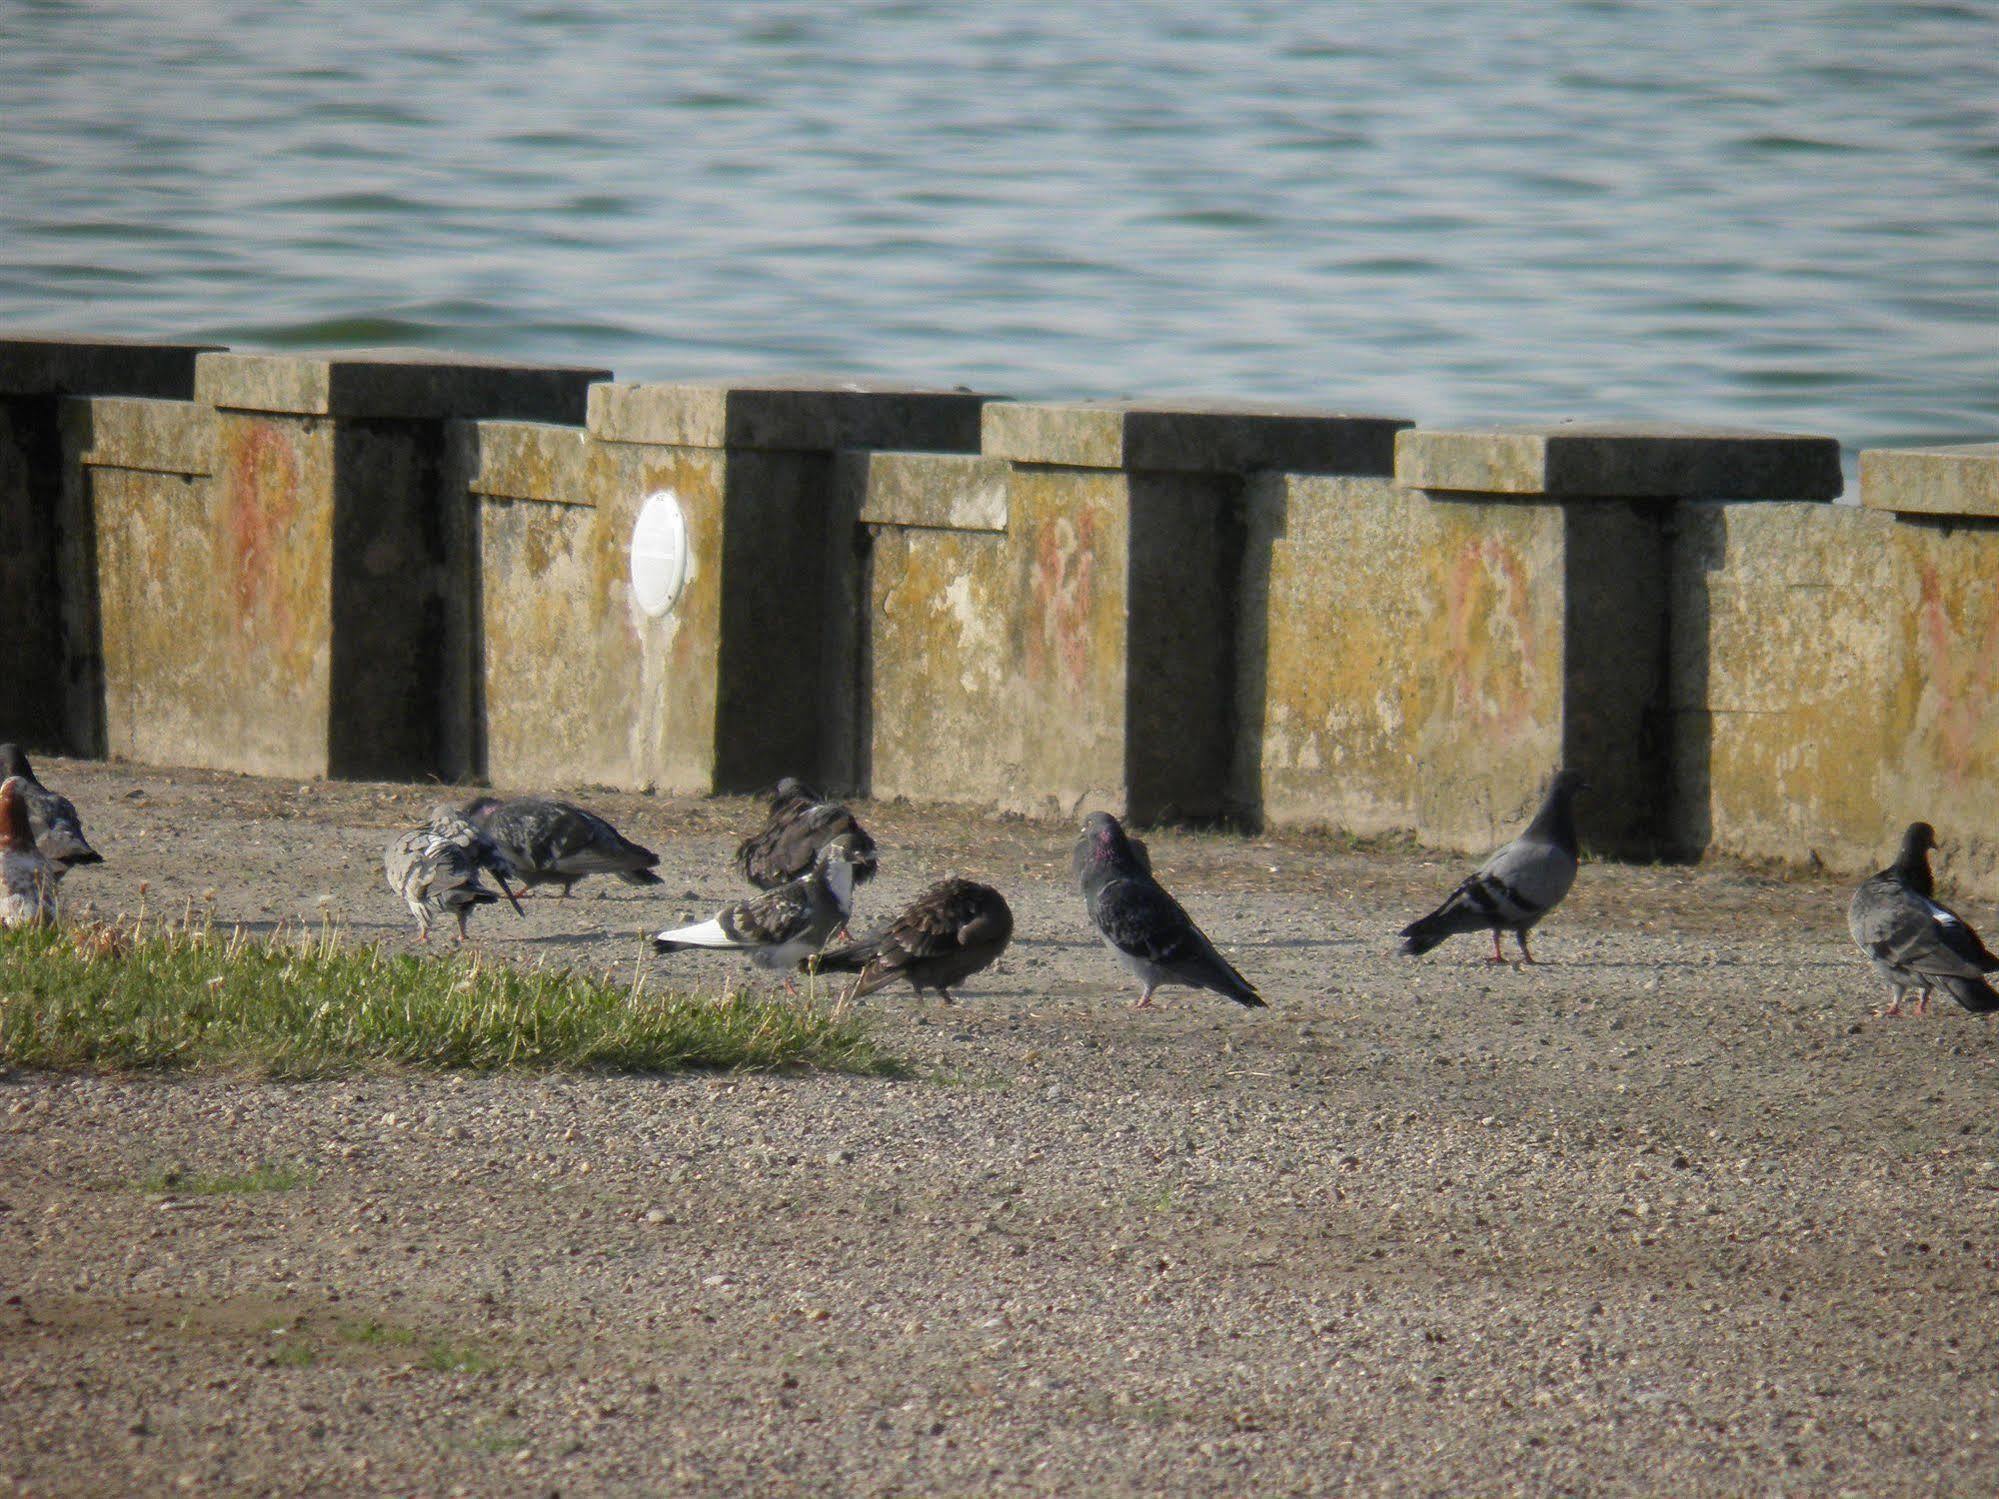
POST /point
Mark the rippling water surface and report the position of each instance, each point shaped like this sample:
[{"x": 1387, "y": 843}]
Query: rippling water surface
[{"x": 1779, "y": 214}]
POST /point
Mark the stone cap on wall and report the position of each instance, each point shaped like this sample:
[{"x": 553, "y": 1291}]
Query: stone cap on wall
[
  {"x": 787, "y": 413},
  {"x": 510, "y": 460},
  {"x": 393, "y": 385},
  {"x": 140, "y": 432},
  {"x": 65, "y": 364},
  {"x": 1957, "y": 480},
  {"x": 935, "y": 491},
  {"x": 1205, "y": 437},
  {"x": 1621, "y": 460}
]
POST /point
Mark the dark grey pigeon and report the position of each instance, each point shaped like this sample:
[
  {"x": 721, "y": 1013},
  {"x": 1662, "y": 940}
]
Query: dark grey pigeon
[
  {"x": 951, "y": 931},
  {"x": 554, "y": 843},
  {"x": 435, "y": 877},
  {"x": 456, "y": 828},
  {"x": 1914, "y": 941},
  {"x": 1143, "y": 925},
  {"x": 53, "y": 820},
  {"x": 1522, "y": 882},
  {"x": 801, "y": 822},
  {"x": 780, "y": 928}
]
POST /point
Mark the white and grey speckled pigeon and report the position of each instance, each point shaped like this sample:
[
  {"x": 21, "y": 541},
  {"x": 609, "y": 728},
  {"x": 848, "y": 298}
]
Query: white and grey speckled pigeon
[
  {"x": 27, "y": 880},
  {"x": 435, "y": 877},
  {"x": 58, "y": 830},
  {"x": 1522, "y": 882},
  {"x": 951, "y": 931},
  {"x": 1914, "y": 941},
  {"x": 780, "y": 927},
  {"x": 1144, "y": 926},
  {"x": 801, "y": 822},
  {"x": 556, "y": 843},
  {"x": 456, "y": 828}
]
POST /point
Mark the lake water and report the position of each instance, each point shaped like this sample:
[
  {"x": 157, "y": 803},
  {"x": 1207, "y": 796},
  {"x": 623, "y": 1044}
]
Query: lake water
[{"x": 1770, "y": 214}]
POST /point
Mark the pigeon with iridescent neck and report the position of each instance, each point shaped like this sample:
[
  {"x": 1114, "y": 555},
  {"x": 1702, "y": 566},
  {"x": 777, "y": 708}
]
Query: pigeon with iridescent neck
[{"x": 1915, "y": 941}]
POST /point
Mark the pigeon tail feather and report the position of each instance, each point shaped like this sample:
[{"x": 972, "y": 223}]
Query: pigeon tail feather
[{"x": 640, "y": 877}]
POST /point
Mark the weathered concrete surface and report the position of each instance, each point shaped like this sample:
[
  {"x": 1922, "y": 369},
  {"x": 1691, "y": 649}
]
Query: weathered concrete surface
[
  {"x": 37, "y": 370},
  {"x": 1189, "y": 437},
  {"x": 1960, "y": 480},
  {"x": 751, "y": 675},
  {"x": 408, "y": 385},
  {"x": 1580, "y": 460},
  {"x": 328, "y": 632},
  {"x": 1836, "y": 676},
  {"x": 1424, "y": 664},
  {"x": 61, "y": 364},
  {"x": 793, "y": 413}
]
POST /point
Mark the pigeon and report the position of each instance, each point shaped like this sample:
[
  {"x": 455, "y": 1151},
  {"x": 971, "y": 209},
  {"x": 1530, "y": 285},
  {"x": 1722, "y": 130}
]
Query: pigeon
[
  {"x": 27, "y": 880},
  {"x": 456, "y": 828},
  {"x": 801, "y": 823},
  {"x": 1915, "y": 942},
  {"x": 1143, "y": 925},
  {"x": 58, "y": 831},
  {"x": 1522, "y": 882},
  {"x": 948, "y": 933},
  {"x": 554, "y": 843},
  {"x": 782, "y": 926},
  {"x": 435, "y": 876}
]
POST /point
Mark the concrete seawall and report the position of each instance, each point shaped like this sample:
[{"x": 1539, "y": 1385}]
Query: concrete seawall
[{"x": 398, "y": 563}]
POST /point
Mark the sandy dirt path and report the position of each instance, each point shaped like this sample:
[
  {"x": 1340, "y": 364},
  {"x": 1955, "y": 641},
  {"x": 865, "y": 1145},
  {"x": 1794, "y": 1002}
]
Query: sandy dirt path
[{"x": 1670, "y": 1213}]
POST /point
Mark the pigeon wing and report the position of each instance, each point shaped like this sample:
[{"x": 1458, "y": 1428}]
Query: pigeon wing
[{"x": 1139, "y": 918}]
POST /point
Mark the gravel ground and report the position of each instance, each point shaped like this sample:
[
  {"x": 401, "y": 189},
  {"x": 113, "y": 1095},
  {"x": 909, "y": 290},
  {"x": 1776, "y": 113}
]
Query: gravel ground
[{"x": 1670, "y": 1212}]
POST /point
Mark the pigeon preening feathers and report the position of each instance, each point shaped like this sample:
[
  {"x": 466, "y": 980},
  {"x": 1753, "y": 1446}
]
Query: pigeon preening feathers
[
  {"x": 1522, "y": 882},
  {"x": 948, "y": 933},
  {"x": 783, "y": 926},
  {"x": 801, "y": 823},
  {"x": 27, "y": 880},
  {"x": 454, "y": 827},
  {"x": 435, "y": 876},
  {"x": 554, "y": 843},
  {"x": 57, "y": 829},
  {"x": 1143, "y": 925},
  {"x": 1913, "y": 941}
]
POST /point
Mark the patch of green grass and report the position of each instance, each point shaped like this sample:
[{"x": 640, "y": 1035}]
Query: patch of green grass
[
  {"x": 196, "y": 1184},
  {"x": 182, "y": 995},
  {"x": 440, "y": 1354},
  {"x": 294, "y": 1355}
]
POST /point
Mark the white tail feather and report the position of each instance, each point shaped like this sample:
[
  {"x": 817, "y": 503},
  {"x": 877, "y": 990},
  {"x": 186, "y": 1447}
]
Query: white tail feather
[{"x": 707, "y": 934}]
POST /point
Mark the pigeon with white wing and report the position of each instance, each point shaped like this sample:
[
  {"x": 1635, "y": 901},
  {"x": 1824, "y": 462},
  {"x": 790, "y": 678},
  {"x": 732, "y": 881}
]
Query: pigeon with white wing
[{"x": 780, "y": 927}]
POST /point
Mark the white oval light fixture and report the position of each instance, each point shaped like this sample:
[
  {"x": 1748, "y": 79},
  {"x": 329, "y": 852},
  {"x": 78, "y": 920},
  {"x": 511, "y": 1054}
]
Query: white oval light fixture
[{"x": 659, "y": 552}]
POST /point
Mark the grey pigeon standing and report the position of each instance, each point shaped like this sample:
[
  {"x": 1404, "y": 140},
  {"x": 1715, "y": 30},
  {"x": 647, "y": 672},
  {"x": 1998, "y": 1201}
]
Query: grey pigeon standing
[
  {"x": 1144, "y": 926},
  {"x": 951, "y": 931},
  {"x": 27, "y": 880},
  {"x": 801, "y": 822},
  {"x": 1914, "y": 941},
  {"x": 456, "y": 828},
  {"x": 555, "y": 843},
  {"x": 1522, "y": 882},
  {"x": 435, "y": 877},
  {"x": 783, "y": 926},
  {"x": 53, "y": 820}
]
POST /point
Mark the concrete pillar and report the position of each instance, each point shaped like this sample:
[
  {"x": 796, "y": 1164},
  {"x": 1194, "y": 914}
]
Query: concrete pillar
[
  {"x": 1545, "y": 550},
  {"x": 37, "y": 370},
  {"x": 735, "y": 682},
  {"x": 296, "y": 612},
  {"x": 1108, "y": 676}
]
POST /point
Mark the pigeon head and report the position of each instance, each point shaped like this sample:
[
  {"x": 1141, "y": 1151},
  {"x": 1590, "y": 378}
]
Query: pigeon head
[
  {"x": 1919, "y": 839},
  {"x": 1104, "y": 844},
  {"x": 443, "y": 812},
  {"x": 13, "y": 762},
  {"x": 480, "y": 808},
  {"x": 15, "y": 835},
  {"x": 791, "y": 787}
]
